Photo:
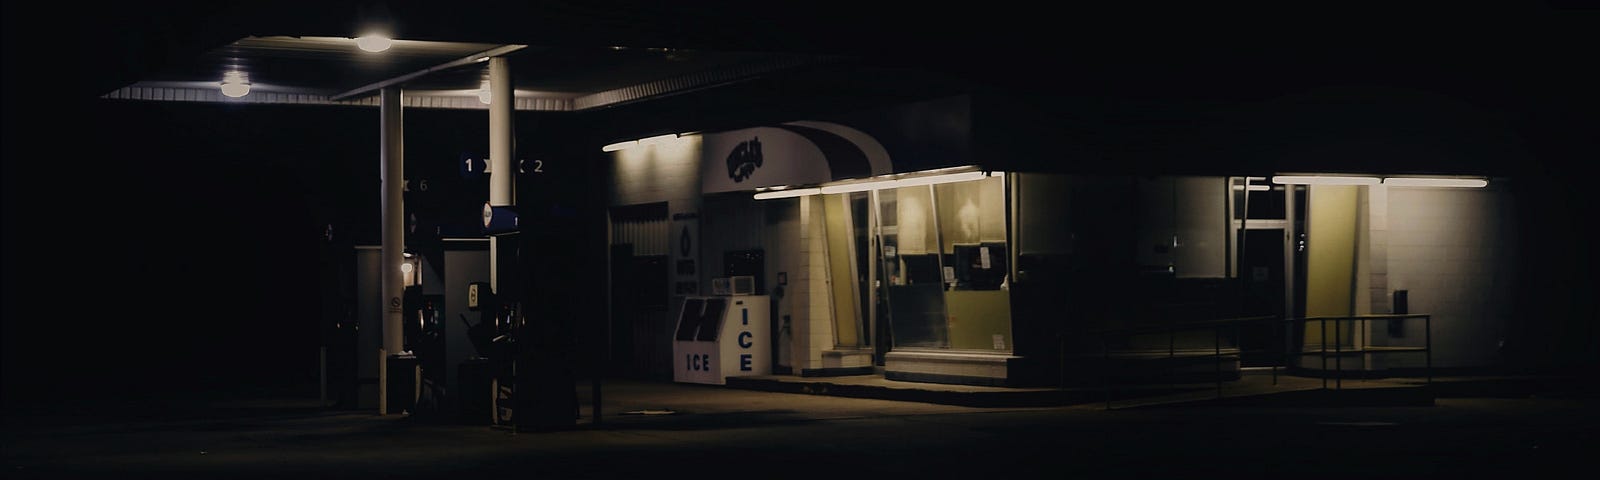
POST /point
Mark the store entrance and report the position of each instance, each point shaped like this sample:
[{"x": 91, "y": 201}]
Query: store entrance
[{"x": 1262, "y": 275}]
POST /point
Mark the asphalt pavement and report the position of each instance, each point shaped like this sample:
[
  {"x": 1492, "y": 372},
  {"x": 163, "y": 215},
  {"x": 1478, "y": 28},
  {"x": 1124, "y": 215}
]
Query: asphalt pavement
[{"x": 1496, "y": 429}]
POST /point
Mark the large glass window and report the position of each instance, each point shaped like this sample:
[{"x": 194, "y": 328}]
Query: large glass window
[
  {"x": 972, "y": 235},
  {"x": 945, "y": 257},
  {"x": 849, "y": 325}
]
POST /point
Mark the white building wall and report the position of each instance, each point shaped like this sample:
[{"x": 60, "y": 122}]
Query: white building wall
[
  {"x": 813, "y": 318},
  {"x": 780, "y": 243},
  {"x": 1455, "y": 251},
  {"x": 668, "y": 171}
]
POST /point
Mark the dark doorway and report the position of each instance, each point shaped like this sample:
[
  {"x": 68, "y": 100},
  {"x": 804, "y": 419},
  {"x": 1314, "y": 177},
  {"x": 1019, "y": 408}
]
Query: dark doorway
[
  {"x": 619, "y": 350},
  {"x": 638, "y": 307},
  {"x": 638, "y": 343},
  {"x": 1262, "y": 274}
]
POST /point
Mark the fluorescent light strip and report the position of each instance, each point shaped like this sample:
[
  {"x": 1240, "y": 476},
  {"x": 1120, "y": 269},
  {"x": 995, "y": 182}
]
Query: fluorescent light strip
[
  {"x": 657, "y": 139},
  {"x": 908, "y": 182},
  {"x": 1435, "y": 182},
  {"x": 1323, "y": 180},
  {"x": 788, "y": 193},
  {"x": 857, "y": 187},
  {"x": 937, "y": 179},
  {"x": 1253, "y": 188},
  {"x": 619, "y": 146}
]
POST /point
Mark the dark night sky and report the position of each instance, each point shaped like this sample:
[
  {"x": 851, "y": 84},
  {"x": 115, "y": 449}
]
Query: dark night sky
[{"x": 157, "y": 245}]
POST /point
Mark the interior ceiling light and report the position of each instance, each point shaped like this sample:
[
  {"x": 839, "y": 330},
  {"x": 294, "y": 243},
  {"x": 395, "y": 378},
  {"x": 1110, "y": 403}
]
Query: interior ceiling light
[
  {"x": 909, "y": 181},
  {"x": 1435, "y": 182},
  {"x": 234, "y": 85},
  {"x": 1323, "y": 180},
  {"x": 374, "y": 43},
  {"x": 881, "y": 182},
  {"x": 657, "y": 139},
  {"x": 787, "y": 193},
  {"x": 619, "y": 146}
]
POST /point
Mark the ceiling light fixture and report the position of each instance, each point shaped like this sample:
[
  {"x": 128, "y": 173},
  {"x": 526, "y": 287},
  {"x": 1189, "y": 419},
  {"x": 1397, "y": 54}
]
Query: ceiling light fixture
[
  {"x": 658, "y": 139},
  {"x": 619, "y": 146},
  {"x": 1323, "y": 180},
  {"x": 234, "y": 85},
  {"x": 374, "y": 43},
  {"x": 1435, "y": 182},
  {"x": 787, "y": 193},
  {"x": 908, "y": 181}
]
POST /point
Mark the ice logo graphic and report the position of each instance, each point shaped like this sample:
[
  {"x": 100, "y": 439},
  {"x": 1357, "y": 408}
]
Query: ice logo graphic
[{"x": 744, "y": 159}]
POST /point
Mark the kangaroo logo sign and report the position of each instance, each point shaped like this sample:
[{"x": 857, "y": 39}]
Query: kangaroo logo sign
[
  {"x": 793, "y": 153},
  {"x": 744, "y": 159}
]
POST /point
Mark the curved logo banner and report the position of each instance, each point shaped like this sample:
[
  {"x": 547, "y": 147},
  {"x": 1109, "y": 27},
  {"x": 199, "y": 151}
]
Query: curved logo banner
[{"x": 794, "y": 153}]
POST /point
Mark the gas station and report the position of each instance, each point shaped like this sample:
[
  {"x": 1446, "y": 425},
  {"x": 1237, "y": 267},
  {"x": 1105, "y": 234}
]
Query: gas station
[{"x": 846, "y": 217}]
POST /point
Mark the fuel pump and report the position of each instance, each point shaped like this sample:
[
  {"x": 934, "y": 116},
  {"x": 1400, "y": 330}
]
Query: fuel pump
[
  {"x": 424, "y": 337},
  {"x": 492, "y": 373}
]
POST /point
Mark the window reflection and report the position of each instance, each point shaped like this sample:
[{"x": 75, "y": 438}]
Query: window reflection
[{"x": 945, "y": 257}]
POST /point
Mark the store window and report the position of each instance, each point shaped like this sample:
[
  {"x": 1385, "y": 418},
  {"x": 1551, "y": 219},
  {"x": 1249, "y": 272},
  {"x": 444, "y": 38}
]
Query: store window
[{"x": 945, "y": 259}]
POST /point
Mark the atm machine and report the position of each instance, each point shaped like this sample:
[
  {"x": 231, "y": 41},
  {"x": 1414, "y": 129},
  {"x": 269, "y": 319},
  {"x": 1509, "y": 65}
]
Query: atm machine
[{"x": 722, "y": 336}]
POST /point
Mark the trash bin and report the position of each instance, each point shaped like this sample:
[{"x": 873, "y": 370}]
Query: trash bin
[{"x": 405, "y": 383}]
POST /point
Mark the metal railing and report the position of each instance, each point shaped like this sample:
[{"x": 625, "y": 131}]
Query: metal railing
[
  {"x": 1280, "y": 329},
  {"x": 1426, "y": 349}
]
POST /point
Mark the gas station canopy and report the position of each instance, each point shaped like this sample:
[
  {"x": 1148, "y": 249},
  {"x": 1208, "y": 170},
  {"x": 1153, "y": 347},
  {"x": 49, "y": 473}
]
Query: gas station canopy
[
  {"x": 1129, "y": 86},
  {"x": 288, "y": 69}
]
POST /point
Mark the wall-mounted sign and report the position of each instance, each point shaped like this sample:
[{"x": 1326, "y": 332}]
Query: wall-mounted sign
[
  {"x": 794, "y": 153},
  {"x": 499, "y": 219},
  {"x": 472, "y": 166},
  {"x": 685, "y": 253}
]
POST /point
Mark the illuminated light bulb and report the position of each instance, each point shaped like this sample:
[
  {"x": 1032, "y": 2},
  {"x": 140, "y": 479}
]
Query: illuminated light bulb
[
  {"x": 787, "y": 193},
  {"x": 619, "y": 146},
  {"x": 1323, "y": 180},
  {"x": 374, "y": 43},
  {"x": 1435, "y": 182},
  {"x": 658, "y": 139},
  {"x": 235, "y": 90},
  {"x": 234, "y": 86}
]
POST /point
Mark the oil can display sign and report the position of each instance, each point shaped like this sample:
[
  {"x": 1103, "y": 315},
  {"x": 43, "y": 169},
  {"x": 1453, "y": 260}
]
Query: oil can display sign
[{"x": 685, "y": 253}]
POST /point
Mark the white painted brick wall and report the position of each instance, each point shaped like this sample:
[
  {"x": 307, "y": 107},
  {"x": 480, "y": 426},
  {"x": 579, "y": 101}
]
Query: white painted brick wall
[
  {"x": 663, "y": 172},
  {"x": 1454, "y": 251}
]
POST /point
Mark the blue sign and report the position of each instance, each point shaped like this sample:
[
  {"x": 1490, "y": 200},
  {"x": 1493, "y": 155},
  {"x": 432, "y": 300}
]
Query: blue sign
[
  {"x": 472, "y": 166},
  {"x": 499, "y": 219}
]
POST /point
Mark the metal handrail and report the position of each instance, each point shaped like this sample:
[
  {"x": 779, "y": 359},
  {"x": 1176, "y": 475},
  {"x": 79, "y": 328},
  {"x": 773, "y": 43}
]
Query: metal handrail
[{"x": 1426, "y": 349}]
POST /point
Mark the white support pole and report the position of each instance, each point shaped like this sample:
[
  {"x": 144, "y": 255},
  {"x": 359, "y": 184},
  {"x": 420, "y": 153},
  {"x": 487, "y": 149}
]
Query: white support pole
[
  {"x": 500, "y": 146},
  {"x": 501, "y": 168},
  {"x": 393, "y": 184}
]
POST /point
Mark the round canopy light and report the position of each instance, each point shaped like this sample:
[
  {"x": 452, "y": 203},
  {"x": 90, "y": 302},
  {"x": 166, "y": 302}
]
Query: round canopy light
[
  {"x": 234, "y": 86},
  {"x": 374, "y": 43}
]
